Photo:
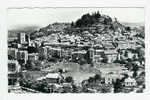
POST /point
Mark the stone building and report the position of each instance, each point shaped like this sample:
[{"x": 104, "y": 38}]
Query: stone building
[{"x": 13, "y": 70}]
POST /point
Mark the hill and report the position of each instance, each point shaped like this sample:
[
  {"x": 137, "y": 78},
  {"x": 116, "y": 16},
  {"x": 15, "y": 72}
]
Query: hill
[
  {"x": 48, "y": 30},
  {"x": 94, "y": 23},
  {"x": 26, "y": 29}
]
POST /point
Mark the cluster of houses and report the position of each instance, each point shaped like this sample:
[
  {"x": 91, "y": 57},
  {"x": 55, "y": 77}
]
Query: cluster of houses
[
  {"x": 17, "y": 57},
  {"x": 94, "y": 49}
]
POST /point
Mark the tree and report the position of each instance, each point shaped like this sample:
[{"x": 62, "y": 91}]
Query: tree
[
  {"x": 75, "y": 89},
  {"x": 134, "y": 74},
  {"x": 60, "y": 70},
  {"x": 87, "y": 57},
  {"x": 105, "y": 59},
  {"x": 72, "y": 24},
  {"x": 32, "y": 49},
  {"x": 117, "y": 86},
  {"x": 59, "y": 40},
  {"x": 129, "y": 60},
  {"x": 87, "y": 19},
  {"x": 33, "y": 65},
  {"x": 97, "y": 77},
  {"x": 128, "y": 28},
  {"x": 78, "y": 23},
  {"x": 42, "y": 57},
  {"x": 134, "y": 67},
  {"x": 69, "y": 79},
  {"x": 29, "y": 65},
  {"x": 91, "y": 79},
  {"x": 126, "y": 54},
  {"x": 37, "y": 65},
  {"x": 134, "y": 58},
  {"x": 105, "y": 88},
  {"x": 129, "y": 65},
  {"x": 97, "y": 15},
  {"x": 82, "y": 61}
]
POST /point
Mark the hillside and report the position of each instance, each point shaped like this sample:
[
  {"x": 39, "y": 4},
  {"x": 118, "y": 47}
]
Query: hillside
[
  {"x": 101, "y": 23},
  {"x": 48, "y": 30},
  {"x": 94, "y": 23}
]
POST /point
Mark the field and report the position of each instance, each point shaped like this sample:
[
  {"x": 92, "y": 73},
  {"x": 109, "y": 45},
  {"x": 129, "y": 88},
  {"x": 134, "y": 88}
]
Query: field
[{"x": 78, "y": 72}]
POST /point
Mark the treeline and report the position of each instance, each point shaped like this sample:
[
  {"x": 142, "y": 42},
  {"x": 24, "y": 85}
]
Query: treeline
[{"x": 89, "y": 19}]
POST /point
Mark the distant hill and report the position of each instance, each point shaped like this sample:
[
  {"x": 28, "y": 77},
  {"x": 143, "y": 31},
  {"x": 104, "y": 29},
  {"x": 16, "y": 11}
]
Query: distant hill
[
  {"x": 133, "y": 24},
  {"x": 26, "y": 29}
]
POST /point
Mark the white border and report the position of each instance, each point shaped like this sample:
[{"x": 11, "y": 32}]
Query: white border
[{"x": 68, "y": 3}]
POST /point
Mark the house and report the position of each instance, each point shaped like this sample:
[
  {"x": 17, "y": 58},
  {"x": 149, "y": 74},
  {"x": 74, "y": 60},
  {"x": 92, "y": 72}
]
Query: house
[
  {"x": 43, "y": 51},
  {"x": 111, "y": 77},
  {"x": 96, "y": 54},
  {"x": 111, "y": 55},
  {"x": 121, "y": 38},
  {"x": 51, "y": 78},
  {"x": 108, "y": 45},
  {"x": 33, "y": 56},
  {"x": 76, "y": 55},
  {"x": 23, "y": 38},
  {"x": 123, "y": 45},
  {"x": 13, "y": 66},
  {"x": 22, "y": 55},
  {"x": 114, "y": 68},
  {"x": 133, "y": 44},
  {"x": 130, "y": 54},
  {"x": 130, "y": 82},
  {"x": 12, "y": 53},
  {"x": 55, "y": 52},
  {"x": 13, "y": 69},
  {"x": 32, "y": 43},
  {"x": 67, "y": 53}
]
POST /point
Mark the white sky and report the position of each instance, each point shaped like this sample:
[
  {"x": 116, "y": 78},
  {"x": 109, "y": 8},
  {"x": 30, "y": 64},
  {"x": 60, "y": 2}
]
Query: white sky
[{"x": 45, "y": 16}]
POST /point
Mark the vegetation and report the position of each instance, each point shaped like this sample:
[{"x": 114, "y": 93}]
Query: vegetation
[
  {"x": 117, "y": 86},
  {"x": 89, "y": 19},
  {"x": 33, "y": 65},
  {"x": 69, "y": 79}
]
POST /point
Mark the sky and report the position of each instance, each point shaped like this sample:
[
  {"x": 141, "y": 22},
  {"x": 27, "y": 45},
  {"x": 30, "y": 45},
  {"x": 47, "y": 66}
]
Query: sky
[{"x": 43, "y": 16}]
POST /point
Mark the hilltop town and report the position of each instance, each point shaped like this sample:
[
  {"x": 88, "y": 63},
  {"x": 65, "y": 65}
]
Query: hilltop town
[{"x": 95, "y": 54}]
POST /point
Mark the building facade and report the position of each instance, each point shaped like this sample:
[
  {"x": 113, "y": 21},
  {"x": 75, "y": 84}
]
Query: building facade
[{"x": 13, "y": 69}]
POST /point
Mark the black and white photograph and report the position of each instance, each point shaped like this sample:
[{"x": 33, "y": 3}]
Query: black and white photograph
[{"x": 76, "y": 50}]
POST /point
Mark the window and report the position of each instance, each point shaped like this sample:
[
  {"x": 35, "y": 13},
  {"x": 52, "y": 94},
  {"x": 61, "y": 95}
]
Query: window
[
  {"x": 11, "y": 67},
  {"x": 12, "y": 81},
  {"x": 11, "y": 54},
  {"x": 22, "y": 55}
]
